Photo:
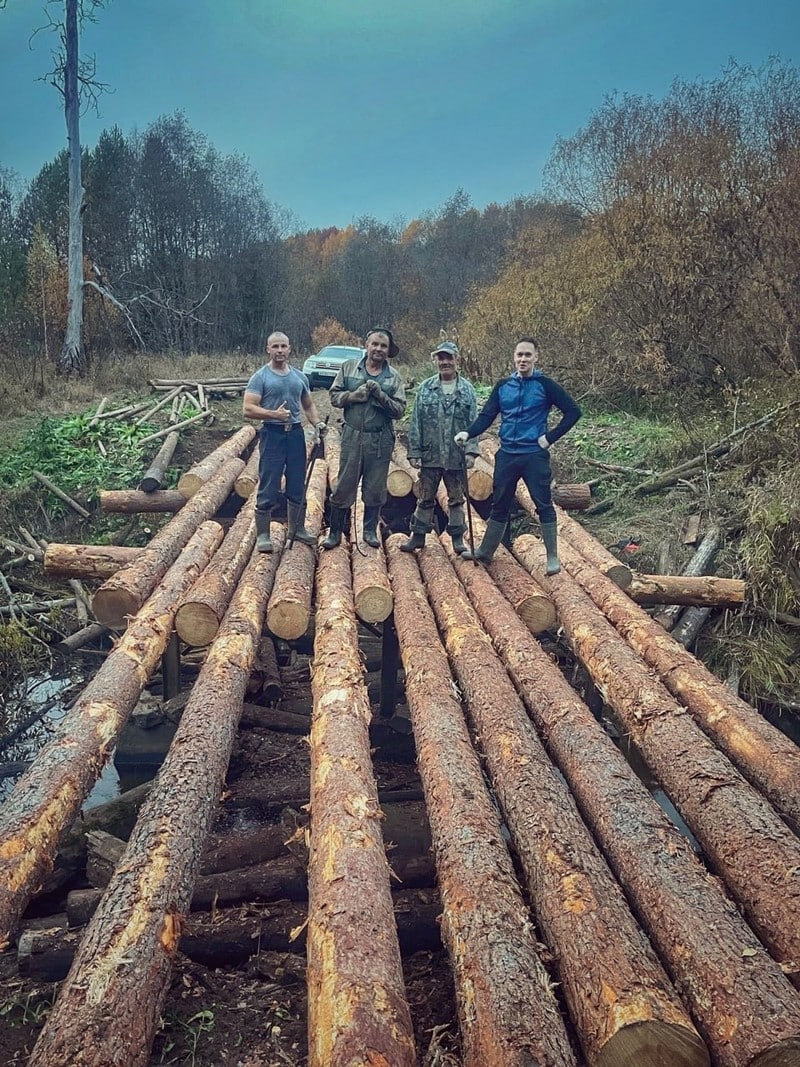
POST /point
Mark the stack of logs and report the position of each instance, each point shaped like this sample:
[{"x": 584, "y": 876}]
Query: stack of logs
[{"x": 671, "y": 971}]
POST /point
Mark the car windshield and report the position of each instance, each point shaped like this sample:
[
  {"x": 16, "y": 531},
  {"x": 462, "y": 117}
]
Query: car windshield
[{"x": 338, "y": 352}]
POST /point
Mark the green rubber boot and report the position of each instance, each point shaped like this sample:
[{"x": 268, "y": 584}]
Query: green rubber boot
[
  {"x": 334, "y": 538},
  {"x": 263, "y": 539},
  {"x": 488, "y": 546},
  {"x": 550, "y": 538},
  {"x": 296, "y": 530}
]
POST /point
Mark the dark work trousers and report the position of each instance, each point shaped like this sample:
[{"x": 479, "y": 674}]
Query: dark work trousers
[
  {"x": 429, "y": 478},
  {"x": 280, "y": 450},
  {"x": 364, "y": 455},
  {"x": 534, "y": 469}
]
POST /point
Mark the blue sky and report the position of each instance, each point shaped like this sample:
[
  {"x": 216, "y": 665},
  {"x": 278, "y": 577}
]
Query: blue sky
[{"x": 348, "y": 108}]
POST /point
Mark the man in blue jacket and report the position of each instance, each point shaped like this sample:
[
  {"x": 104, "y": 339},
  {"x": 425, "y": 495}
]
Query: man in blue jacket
[{"x": 523, "y": 400}]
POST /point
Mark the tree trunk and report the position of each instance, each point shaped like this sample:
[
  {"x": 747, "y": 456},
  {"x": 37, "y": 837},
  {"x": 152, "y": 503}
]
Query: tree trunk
[
  {"x": 743, "y": 837},
  {"x": 400, "y": 458},
  {"x": 265, "y": 668},
  {"x": 134, "y": 501},
  {"x": 508, "y": 1015},
  {"x": 699, "y": 564},
  {"x": 690, "y": 625},
  {"x": 153, "y": 478},
  {"x": 718, "y": 964},
  {"x": 332, "y": 455},
  {"x": 72, "y": 360},
  {"x": 121, "y": 596},
  {"x": 289, "y": 609},
  {"x": 679, "y": 589},
  {"x": 357, "y": 1005},
  {"x": 275, "y": 719},
  {"x": 247, "y": 482},
  {"x": 106, "y": 1003},
  {"x": 194, "y": 480},
  {"x": 480, "y": 480},
  {"x": 571, "y": 497},
  {"x": 578, "y": 905},
  {"x": 202, "y": 608},
  {"x": 399, "y": 482},
  {"x": 87, "y": 561},
  {"x": 590, "y": 548},
  {"x": 372, "y": 591},
  {"x": 46, "y": 800}
]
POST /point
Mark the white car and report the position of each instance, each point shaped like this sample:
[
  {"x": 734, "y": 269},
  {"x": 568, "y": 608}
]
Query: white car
[{"x": 323, "y": 366}]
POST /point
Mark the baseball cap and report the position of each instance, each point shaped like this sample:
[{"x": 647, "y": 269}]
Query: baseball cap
[{"x": 449, "y": 347}]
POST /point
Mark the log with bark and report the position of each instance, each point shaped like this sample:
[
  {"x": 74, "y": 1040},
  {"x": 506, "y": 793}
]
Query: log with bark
[
  {"x": 372, "y": 591},
  {"x": 200, "y": 612},
  {"x": 400, "y": 457},
  {"x": 720, "y": 967},
  {"x": 507, "y": 1011},
  {"x": 572, "y": 496},
  {"x": 267, "y": 672},
  {"x": 153, "y": 477},
  {"x": 122, "y": 595},
  {"x": 680, "y": 589},
  {"x": 65, "y": 497},
  {"x": 135, "y": 501},
  {"x": 247, "y": 482},
  {"x": 332, "y": 455},
  {"x": 87, "y": 561},
  {"x": 119, "y": 978},
  {"x": 399, "y": 482},
  {"x": 289, "y": 609},
  {"x": 194, "y": 480},
  {"x": 689, "y": 626},
  {"x": 699, "y": 564},
  {"x": 357, "y": 1004},
  {"x": 578, "y": 905},
  {"x": 480, "y": 480},
  {"x": 745, "y": 840},
  {"x": 46, "y": 800}
]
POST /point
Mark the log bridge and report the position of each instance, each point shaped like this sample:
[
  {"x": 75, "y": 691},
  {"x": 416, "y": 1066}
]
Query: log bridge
[{"x": 583, "y": 925}]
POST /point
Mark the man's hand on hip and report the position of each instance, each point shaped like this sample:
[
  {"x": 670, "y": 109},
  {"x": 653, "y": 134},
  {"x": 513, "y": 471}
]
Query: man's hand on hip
[{"x": 542, "y": 442}]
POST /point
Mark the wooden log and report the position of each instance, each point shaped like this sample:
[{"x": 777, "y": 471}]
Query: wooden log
[
  {"x": 578, "y": 905},
  {"x": 153, "y": 477},
  {"x": 103, "y": 1005},
  {"x": 699, "y": 564},
  {"x": 177, "y": 428},
  {"x": 87, "y": 561},
  {"x": 68, "y": 500},
  {"x": 45, "y": 954},
  {"x": 200, "y": 612},
  {"x": 572, "y": 497},
  {"x": 680, "y": 589},
  {"x": 372, "y": 591},
  {"x": 266, "y": 667},
  {"x": 134, "y": 501},
  {"x": 91, "y": 632},
  {"x": 332, "y": 456},
  {"x": 399, "y": 482},
  {"x": 194, "y": 480},
  {"x": 742, "y": 836},
  {"x": 400, "y": 457},
  {"x": 719, "y": 965},
  {"x": 480, "y": 480},
  {"x": 764, "y": 755},
  {"x": 46, "y": 800},
  {"x": 357, "y": 1005},
  {"x": 122, "y": 595},
  {"x": 289, "y": 609},
  {"x": 275, "y": 719},
  {"x": 507, "y": 1012},
  {"x": 689, "y": 626},
  {"x": 247, "y": 482}
]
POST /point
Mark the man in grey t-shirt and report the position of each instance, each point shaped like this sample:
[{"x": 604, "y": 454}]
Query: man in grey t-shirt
[{"x": 276, "y": 394}]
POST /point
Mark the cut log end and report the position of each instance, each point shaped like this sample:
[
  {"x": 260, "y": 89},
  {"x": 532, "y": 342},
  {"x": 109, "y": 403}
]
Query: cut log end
[
  {"x": 374, "y": 604},
  {"x": 189, "y": 484},
  {"x": 288, "y": 620},
  {"x": 196, "y": 624},
  {"x": 653, "y": 1042},
  {"x": 399, "y": 483},
  {"x": 480, "y": 484},
  {"x": 619, "y": 574},
  {"x": 114, "y": 607},
  {"x": 538, "y": 613},
  {"x": 782, "y": 1054}
]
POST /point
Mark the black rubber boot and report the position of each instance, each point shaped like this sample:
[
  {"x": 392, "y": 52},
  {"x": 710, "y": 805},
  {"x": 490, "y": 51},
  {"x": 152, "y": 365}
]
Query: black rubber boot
[
  {"x": 263, "y": 540},
  {"x": 296, "y": 525},
  {"x": 372, "y": 513},
  {"x": 334, "y": 538},
  {"x": 456, "y": 527},
  {"x": 550, "y": 538},
  {"x": 488, "y": 546},
  {"x": 415, "y": 541}
]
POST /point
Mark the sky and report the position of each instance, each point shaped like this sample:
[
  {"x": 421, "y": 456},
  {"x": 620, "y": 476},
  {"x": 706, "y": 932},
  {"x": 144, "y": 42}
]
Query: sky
[{"x": 381, "y": 108}]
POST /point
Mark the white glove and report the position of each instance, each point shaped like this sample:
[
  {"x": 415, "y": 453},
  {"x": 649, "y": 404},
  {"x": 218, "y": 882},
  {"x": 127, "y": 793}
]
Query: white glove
[
  {"x": 415, "y": 463},
  {"x": 321, "y": 428},
  {"x": 542, "y": 442},
  {"x": 461, "y": 438}
]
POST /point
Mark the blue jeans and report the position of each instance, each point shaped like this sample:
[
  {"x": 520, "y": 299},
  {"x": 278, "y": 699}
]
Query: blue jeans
[
  {"x": 281, "y": 450},
  {"x": 534, "y": 469}
]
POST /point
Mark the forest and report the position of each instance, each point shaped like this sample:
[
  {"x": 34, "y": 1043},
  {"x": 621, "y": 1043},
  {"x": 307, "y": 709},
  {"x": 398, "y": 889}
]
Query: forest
[{"x": 663, "y": 253}]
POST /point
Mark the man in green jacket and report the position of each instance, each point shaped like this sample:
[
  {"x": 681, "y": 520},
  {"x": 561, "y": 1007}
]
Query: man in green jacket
[
  {"x": 444, "y": 405},
  {"x": 372, "y": 395}
]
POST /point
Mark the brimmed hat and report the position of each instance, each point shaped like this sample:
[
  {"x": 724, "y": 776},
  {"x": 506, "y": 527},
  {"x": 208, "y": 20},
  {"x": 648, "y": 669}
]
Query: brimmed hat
[
  {"x": 450, "y": 347},
  {"x": 393, "y": 347}
]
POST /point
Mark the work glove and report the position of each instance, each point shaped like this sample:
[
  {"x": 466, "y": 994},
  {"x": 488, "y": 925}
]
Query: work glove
[
  {"x": 372, "y": 387},
  {"x": 358, "y": 396},
  {"x": 542, "y": 442},
  {"x": 461, "y": 438},
  {"x": 470, "y": 462},
  {"x": 415, "y": 463},
  {"x": 321, "y": 428}
]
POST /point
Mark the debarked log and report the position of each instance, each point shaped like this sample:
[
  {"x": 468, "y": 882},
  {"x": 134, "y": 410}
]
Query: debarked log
[
  {"x": 578, "y": 904},
  {"x": 102, "y": 1006},
  {"x": 122, "y": 595},
  {"x": 508, "y": 1014},
  {"x": 480, "y": 480},
  {"x": 702, "y": 591},
  {"x": 399, "y": 482},
  {"x": 193, "y": 480},
  {"x": 46, "y": 800},
  {"x": 247, "y": 482},
  {"x": 372, "y": 591},
  {"x": 201, "y": 610},
  {"x": 289, "y": 608},
  {"x": 720, "y": 967},
  {"x": 87, "y": 561},
  {"x": 357, "y": 1003},
  {"x": 743, "y": 837},
  {"x": 134, "y": 501}
]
